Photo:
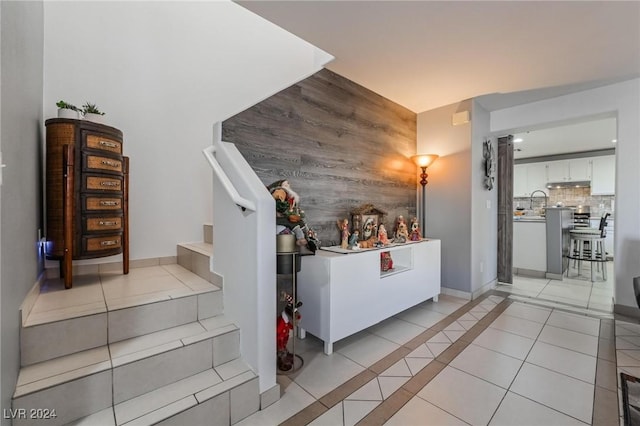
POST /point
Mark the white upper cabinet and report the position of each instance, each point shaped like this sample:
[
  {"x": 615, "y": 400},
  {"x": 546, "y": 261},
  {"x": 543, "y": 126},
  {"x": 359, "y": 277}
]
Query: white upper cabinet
[
  {"x": 537, "y": 178},
  {"x": 577, "y": 169},
  {"x": 529, "y": 177},
  {"x": 580, "y": 169},
  {"x": 520, "y": 180},
  {"x": 558, "y": 171},
  {"x": 603, "y": 180}
]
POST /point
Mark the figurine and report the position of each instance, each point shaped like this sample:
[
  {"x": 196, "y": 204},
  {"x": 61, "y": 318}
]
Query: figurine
[
  {"x": 382, "y": 235},
  {"x": 415, "y": 230},
  {"x": 402, "y": 234},
  {"x": 386, "y": 263},
  {"x": 353, "y": 240},
  {"x": 368, "y": 229},
  {"x": 284, "y": 325},
  {"x": 289, "y": 214},
  {"x": 343, "y": 226}
]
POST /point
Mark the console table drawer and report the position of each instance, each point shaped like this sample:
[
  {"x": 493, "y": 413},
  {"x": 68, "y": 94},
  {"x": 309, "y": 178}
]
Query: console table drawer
[
  {"x": 103, "y": 143},
  {"x": 102, "y": 183},
  {"x": 93, "y": 224},
  {"x": 101, "y": 203}
]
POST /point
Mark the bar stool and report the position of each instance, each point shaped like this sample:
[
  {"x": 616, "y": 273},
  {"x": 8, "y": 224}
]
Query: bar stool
[{"x": 588, "y": 245}]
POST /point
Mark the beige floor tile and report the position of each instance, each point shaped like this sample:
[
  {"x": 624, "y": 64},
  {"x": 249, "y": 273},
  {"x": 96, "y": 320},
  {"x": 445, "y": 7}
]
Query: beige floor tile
[
  {"x": 564, "y": 361},
  {"x": 293, "y": 400},
  {"x": 399, "y": 369},
  {"x": 417, "y": 408},
  {"x": 488, "y": 365},
  {"x": 563, "y": 393},
  {"x": 417, "y": 364},
  {"x": 504, "y": 342},
  {"x": 334, "y": 416},
  {"x": 322, "y": 373},
  {"x": 354, "y": 411},
  {"x": 369, "y": 392},
  {"x": 519, "y": 326},
  {"x": 365, "y": 348},
  {"x": 420, "y": 316},
  {"x": 516, "y": 410},
  {"x": 463, "y": 395},
  {"x": 568, "y": 339},
  {"x": 396, "y": 330},
  {"x": 579, "y": 323},
  {"x": 528, "y": 312}
]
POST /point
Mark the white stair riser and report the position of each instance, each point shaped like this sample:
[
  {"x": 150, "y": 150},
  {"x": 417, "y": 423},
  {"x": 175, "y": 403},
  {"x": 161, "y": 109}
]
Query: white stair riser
[
  {"x": 47, "y": 341},
  {"x": 210, "y": 304},
  {"x": 144, "y": 319},
  {"x": 142, "y": 376},
  {"x": 207, "y": 230},
  {"x": 197, "y": 263},
  {"x": 71, "y": 400}
]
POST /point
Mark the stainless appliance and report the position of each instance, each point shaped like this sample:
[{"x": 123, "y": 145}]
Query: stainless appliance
[{"x": 581, "y": 216}]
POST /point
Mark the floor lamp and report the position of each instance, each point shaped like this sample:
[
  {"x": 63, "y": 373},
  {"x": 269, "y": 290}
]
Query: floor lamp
[{"x": 423, "y": 161}]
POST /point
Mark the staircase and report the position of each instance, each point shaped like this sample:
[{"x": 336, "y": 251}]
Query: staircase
[{"x": 172, "y": 358}]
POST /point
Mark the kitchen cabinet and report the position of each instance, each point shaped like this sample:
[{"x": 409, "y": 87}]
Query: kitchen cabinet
[
  {"x": 528, "y": 178},
  {"x": 577, "y": 169},
  {"x": 603, "y": 171}
]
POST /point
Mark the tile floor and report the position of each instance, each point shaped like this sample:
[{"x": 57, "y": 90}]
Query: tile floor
[
  {"x": 492, "y": 361},
  {"x": 576, "y": 291},
  {"x": 536, "y": 355}
]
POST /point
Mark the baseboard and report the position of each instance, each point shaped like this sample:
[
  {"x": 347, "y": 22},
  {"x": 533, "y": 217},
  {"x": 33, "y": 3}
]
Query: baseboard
[
  {"x": 523, "y": 272},
  {"x": 84, "y": 268},
  {"x": 270, "y": 396},
  {"x": 627, "y": 311},
  {"x": 487, "y": 287},
  {"x": 455, "y": 293},
  {"x": 30, "y": 299}
]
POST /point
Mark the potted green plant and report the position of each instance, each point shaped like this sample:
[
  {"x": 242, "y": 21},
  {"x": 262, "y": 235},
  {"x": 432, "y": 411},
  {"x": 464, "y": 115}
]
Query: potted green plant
[
  {"x": 66, "y": 110},
  {"x": 92, "y": 113}
]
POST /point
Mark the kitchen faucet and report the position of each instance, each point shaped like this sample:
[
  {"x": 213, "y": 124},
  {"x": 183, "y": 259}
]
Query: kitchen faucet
[{"x": 531, "y": 199}]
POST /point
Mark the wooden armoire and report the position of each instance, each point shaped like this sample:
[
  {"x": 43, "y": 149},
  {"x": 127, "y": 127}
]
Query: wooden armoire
[{"x": 87, "y": 180}]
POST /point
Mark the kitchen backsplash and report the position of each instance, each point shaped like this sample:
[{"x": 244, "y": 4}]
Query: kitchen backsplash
[{"x": 599, "y": 204}]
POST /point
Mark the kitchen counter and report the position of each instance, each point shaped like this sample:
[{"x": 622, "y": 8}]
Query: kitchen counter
[
  {"x": 529, "y": 219},
  {"x": 530, "y": 246}
]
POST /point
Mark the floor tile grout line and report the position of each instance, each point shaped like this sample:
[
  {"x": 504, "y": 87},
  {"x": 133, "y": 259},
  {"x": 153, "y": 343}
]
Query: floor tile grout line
[
  {"x": 470, "y": 304},
  {"x": 501, "y": 305}
]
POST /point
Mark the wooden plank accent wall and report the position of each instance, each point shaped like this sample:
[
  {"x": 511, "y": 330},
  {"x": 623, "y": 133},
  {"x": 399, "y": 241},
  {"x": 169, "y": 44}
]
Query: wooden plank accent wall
[
  {"x": 505, "y": 209},
  {"x": 339, "y": 144}
]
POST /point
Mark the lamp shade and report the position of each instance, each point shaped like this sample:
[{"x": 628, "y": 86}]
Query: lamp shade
[{"x": 424, "y": 160}]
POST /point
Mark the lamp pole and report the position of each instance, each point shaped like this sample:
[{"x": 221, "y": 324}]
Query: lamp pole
[{"x": 423, "y": 213}]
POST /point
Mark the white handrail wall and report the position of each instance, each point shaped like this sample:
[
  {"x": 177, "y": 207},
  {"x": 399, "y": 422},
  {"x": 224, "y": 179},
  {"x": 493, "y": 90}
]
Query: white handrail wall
[{"x": 244, "y": 254}]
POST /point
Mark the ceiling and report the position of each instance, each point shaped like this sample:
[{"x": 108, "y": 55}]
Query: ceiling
[{"x": 427, "y": 54}]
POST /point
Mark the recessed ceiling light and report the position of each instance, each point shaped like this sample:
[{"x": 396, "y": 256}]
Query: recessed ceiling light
[
  {"x": 614, "y": 140},
  {"x": 518, "y": 140}
]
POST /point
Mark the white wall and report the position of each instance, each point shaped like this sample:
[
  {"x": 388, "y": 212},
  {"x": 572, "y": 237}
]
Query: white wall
[
  {"x": 484, "y": 206},
  {"x": 164, "y": 72},
  {"x": 622, "y": 99},
  {"x": 448, "y": 193},
  {"x": 21, "y": 142}
]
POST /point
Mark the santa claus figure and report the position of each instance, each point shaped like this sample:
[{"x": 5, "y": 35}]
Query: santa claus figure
[{"x": 284, "y": 325}]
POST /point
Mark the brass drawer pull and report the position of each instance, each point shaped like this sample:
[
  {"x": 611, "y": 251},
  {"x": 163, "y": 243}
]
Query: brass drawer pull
[
  {"x": 108, "y": 144},
  {"x": 109, "y": 203},
  {"x": 109, "y": 243},
  {"x": 109, "y": 183},
  {"x": 110, "y": 163},
  {"x": 108, "y": 223}
]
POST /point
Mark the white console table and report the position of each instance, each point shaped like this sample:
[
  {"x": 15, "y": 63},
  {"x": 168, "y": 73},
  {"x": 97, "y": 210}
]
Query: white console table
[{"x": 346, "y": 293}]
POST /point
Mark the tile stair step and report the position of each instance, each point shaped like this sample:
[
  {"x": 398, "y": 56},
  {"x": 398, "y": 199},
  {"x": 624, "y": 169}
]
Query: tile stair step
[
  {"x": 220, "y": 396},
  {"x": 120, "y": 371},
  {"x": 43, "y": 341},
  {"x": 196, "y": 258}
]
